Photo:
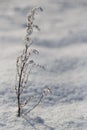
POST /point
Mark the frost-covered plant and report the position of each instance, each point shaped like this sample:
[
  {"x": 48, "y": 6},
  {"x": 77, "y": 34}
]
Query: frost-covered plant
[{"x": 25, "y": 64}]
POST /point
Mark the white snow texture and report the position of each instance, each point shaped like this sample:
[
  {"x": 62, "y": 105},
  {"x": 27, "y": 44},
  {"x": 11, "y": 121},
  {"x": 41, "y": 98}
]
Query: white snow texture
[{"x": 62, "y": 43}]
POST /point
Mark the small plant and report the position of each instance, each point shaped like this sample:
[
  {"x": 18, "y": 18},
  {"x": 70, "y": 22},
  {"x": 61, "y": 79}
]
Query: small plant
[{"x": 25, "y": 64}]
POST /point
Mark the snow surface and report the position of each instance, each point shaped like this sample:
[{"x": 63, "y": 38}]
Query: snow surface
[{"x": 62, "y": 43}]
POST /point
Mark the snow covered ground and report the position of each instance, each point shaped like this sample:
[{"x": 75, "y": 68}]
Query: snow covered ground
[{"x": 62, "y": 43}]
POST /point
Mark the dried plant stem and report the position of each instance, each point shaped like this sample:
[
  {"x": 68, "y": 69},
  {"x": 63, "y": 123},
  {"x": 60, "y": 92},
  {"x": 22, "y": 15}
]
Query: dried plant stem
[
  {"x": 40, "y": 99},
  {"x": 24, "y": 66},
  {"x": 24, "y": 63}
]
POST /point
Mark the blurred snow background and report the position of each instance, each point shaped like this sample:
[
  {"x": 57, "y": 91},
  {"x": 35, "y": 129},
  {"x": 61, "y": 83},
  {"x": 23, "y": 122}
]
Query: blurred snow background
[{"x": 62, "y": 43}]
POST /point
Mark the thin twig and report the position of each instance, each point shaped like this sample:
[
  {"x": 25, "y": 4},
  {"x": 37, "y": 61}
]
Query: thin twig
[{"x": 40, "y": 99}]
